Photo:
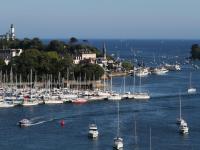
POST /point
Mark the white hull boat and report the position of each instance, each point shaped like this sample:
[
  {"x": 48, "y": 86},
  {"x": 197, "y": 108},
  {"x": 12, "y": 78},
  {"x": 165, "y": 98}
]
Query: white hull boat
[
  {"x": 143, "y": 96},
  {"x": 93, "y": 131},
  {"x": 118, "y": 143}
]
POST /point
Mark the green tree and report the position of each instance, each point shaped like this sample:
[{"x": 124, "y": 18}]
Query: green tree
[
  {"x": 2, "y": 64},
  {"x": 195, "y": 51},
  {"x": 73, "y": 40},
  {"x": 36, "y": 43},
  {"x": 127, "y": 65},
  {"x": 56, "y": 45},
  {"x": 90, "y": 71}
]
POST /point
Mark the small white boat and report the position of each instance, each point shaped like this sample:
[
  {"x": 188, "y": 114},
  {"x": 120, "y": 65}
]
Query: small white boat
[
  {"x": 191, "y": 90},
  {"x": 53, "y": 101},
  {"x": 115, "y": 97},
  {"x": 93, "y": 131},
  {"x": 160, "y": 71},
  {"x": 30, "y": 102},
  {"x": 6, "y": 104},
  {"x": 141, "y": 95},
  {"x": 118, "y": 143},
  {"x": 142, "y": 72},
  {"x": 24, "y": 123},
  {"x": 180, "y": 120},
  {"x": 183, "y": 129},
  {"x": 175, "y": 67}
]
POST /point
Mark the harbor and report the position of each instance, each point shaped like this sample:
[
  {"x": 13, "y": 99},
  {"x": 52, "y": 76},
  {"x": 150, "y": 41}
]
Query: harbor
[{"x": 101, "y": 114}]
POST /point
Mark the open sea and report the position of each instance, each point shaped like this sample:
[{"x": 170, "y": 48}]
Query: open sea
[{"x": 158, "y": 113}]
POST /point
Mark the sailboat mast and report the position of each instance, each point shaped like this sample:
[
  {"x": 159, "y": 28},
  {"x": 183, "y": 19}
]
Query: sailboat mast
[
  {"x": 180, "y": 105},
  {"x": 140, "y": 85},
  {"x": 124, "y": 84},
  {"x": 117, "y": 119},
  {"x": 150, "y": 139},
  {"x": 135, "y": 134},
  {"x": 190, "y": 80},
  {"x": 111, "y": 83}
]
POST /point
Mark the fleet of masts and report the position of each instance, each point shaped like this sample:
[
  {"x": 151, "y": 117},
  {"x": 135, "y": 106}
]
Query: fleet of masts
[{"x": 54, "y": 92}]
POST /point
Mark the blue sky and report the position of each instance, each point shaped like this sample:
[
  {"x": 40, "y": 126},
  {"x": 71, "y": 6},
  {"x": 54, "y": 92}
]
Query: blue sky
[{"x": 146, "y": 19}]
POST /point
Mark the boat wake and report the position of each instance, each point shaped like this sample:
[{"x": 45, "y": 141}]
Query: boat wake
[
  {"x": 41, "y": 122},
  {"x": 174, "y": 95}
]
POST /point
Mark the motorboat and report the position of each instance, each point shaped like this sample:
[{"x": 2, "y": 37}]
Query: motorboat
[
  {"x": 93, "y": 131},
  {"x": 24, "y": 123}
]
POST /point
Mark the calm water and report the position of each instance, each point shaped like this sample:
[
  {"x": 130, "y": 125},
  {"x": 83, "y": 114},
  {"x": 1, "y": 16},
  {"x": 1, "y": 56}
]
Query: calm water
[{"x": 159, "y": 113}]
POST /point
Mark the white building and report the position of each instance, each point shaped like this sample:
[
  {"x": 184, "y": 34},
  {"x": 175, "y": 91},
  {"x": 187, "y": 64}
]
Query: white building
[
  {"x": 10, "y": 35},
  {"x": 89, "y": 57},
  {"x": 7, "y": 54}
]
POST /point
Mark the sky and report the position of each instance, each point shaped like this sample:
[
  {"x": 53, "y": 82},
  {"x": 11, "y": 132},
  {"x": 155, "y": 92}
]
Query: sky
[{"x": 89, "y": 19}]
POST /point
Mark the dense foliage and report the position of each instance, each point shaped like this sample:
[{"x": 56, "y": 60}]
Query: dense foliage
[
  {"x": 195, "y": 51},
  {"x": 127, "y": 65},
  {"x": 52, "y": 59}
]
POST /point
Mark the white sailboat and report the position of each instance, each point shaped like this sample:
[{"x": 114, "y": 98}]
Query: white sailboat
[
  {"x": 183, "y": 127},
  {"x": 141, "y": 95},
  {"x": 113, "y": 96},
  {"x": 118, "y": 141},
  {"x": 160, "y": 70},
  {"x": 136, "y": 146},
  {"x": 142, "y": 72},
  {"x": 150, "y": 139},
  {"x": 180, "y": 120},
  {"x": 191, "y": 90}
]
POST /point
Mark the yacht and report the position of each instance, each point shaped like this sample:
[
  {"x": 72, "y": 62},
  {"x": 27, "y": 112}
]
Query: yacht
[
  {"x": 93, "y": 131},
  {"x": 160, "y": 70},
  {"x": 191, "y": 90},
  {"x": 142, "y": 72},
  {"x": 141, "y": 95},
  {"x": 24, "y": 123}
]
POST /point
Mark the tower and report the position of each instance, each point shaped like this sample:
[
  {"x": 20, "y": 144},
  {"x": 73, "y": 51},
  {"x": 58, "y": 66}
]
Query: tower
[
  {"x": 12, "y": 32},
  {"x": 104, "y": 50}
]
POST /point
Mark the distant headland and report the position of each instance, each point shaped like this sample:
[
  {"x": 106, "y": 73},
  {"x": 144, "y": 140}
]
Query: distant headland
[{"x": 195, "y": 51}]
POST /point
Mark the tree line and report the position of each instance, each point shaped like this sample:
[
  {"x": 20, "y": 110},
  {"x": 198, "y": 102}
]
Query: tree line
[
  {"x": 195, "y": 51},
  {"x": 53, "y": 58}
]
